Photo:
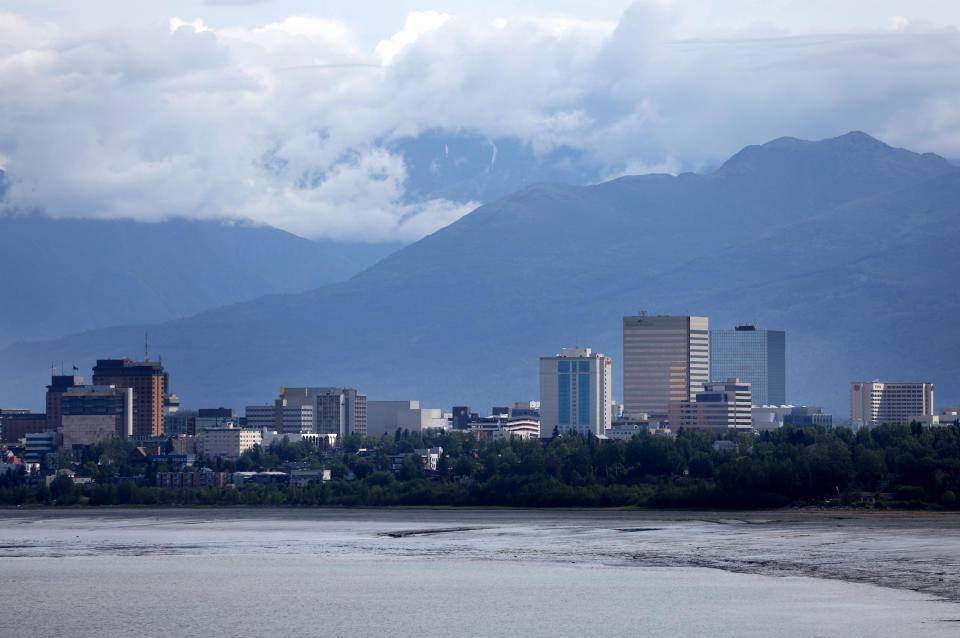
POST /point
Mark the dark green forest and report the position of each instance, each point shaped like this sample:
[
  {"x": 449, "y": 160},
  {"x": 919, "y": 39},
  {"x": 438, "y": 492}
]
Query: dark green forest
[{"x": 906, "y": 465}]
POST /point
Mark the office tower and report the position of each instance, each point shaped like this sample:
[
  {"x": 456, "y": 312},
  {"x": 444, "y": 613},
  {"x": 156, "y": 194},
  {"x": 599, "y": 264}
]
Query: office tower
[
  {"x": 58, "y": 385},
  {"x": 755, "y": 356},
  {"x": 340, "y": 411},
  {"x": 95, "y": 413},
  {"x": 664, "y": 359},
  {"x": 575, "y": 391},
  {"x": 149, "y": 383},
  {"x": 722, "y": 405},
  {"x": 875, "y": 402}
]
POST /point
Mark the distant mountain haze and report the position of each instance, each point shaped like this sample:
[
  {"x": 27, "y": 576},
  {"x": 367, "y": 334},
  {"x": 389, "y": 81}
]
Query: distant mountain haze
[
  {"x": 844, "y": 243},
  {"x": 68, "y": 275}
]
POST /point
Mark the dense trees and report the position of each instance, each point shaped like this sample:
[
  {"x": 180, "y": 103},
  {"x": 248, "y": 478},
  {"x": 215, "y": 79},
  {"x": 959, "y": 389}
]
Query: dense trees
[{"x": 912, "y": 466}]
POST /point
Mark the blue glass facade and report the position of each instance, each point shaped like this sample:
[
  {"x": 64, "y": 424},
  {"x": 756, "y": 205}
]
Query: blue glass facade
[
  {"x": 755, "y": 356},
  {"x": 583, "y": 395}
]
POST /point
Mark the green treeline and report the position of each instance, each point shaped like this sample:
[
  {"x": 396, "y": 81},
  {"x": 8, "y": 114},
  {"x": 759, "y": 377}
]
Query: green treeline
[{"x": 912, "y": 466}]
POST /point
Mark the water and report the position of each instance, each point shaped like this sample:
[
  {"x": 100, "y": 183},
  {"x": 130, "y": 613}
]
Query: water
[{"x": 482, "y": 573}]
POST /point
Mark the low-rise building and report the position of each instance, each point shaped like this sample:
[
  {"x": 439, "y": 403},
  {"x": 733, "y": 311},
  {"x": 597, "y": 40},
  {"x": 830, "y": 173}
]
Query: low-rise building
[
  {"x": 39, "y": 445},
  {"x": 770, "y": 417},
  {"x": 723, "y": 405},
  {"x": 303, "y": 478},
  {"x": 16, "y": 424},
  {"x": 192, "y": 480},
  {"x": 384, "y": 417},
  {"x": 496, "y": 428},
  {"x": 261, "y": 478},
  {"x": 228, "y": 442}
]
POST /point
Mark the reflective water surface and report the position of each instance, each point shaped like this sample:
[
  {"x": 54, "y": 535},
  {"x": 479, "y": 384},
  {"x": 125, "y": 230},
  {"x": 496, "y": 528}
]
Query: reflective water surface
[{"x": 224, "y": 572}]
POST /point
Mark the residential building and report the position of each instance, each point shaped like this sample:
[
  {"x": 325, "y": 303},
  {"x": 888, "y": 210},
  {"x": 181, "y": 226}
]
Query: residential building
[
  {"x": 429, "y": 456},
  {"x": 575, "y": 391},
  {"x": 94, "y": 413},
  {"x": 722, "y": 405},
  {"x": 336, "y": 410},
  {"x": 755, "y": 356},
  {"x": 150, "y": 385},
  {"x": 58, "y": 385},
  {"x": 874, "y": 403},
  {"x": 192, "y": 480},
  {"x": 384, "y": 417},
  {"x": 16, "y": 424},
  {"x": 665, "y": 358},
  {"x": 227, "y": 442}
]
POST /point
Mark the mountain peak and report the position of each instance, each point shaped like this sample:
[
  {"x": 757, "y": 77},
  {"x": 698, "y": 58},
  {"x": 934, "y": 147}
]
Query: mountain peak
[{"x": 855, "y": 155}]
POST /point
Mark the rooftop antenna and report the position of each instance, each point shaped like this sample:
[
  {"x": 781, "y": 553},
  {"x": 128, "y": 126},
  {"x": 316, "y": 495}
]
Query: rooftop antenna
[
  {"x": 642, "y": 313},
  {"x": 146, "y": 348}
]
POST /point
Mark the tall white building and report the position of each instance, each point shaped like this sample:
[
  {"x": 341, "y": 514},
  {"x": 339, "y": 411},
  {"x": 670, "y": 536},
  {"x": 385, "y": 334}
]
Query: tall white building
[
  {"x": 665, "y": 359},
  {"x": 575, "y": 392},
  {"x": 875, "y": 403}
]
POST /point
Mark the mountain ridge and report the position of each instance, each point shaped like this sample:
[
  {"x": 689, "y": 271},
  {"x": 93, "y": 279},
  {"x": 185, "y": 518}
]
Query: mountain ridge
[{"x": 463, "y": 314}]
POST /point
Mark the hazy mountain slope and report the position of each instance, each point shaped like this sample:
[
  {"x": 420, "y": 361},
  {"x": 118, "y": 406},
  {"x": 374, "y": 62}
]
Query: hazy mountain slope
[
  {"x": 794, "y": 238},
  {"x": 63, "y": 276}
]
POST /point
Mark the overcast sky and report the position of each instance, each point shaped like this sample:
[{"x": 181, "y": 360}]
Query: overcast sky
[{"x": 281, "y": 112}]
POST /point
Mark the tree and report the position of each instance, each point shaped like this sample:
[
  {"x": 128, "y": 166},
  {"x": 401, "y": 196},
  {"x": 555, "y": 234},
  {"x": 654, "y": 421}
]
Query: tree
[{"x": 411, "y": 468}]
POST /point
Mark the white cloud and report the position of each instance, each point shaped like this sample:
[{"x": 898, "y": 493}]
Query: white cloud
[
  {"x": 416, "y": 25},
  {"x": 285, "y": 122}
]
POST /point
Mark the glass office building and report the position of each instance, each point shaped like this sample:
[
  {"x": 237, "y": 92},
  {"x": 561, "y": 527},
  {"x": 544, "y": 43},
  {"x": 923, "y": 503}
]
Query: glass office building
[{"x": 755, "y": 356}]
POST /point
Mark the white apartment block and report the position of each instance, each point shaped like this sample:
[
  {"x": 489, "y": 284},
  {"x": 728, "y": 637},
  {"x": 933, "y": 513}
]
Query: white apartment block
[{"x": 874, "y": 403}]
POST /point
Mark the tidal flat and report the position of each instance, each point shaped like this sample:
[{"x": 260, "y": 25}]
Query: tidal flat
[{"x": 542, "y": 572}]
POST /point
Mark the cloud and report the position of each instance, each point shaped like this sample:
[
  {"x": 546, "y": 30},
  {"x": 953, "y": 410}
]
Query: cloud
[
  {"x": 417, "y": 24},
  {"x": 290, "y": 123}
]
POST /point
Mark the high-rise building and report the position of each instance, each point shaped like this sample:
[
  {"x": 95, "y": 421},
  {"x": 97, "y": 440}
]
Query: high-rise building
[
  {"x": 94, "y": 413},
  {"x": 722, "y": 405},
  {"x": 149, "y": 382},
  {"x": 875, "y": 403},
  {"x": 58, "y": 385},
  {"x": 664, "y": 359},
  {"x": 575, "y": 392},
  {"x": 340, "y": 411},
  {"x": 755, "y": 356}
]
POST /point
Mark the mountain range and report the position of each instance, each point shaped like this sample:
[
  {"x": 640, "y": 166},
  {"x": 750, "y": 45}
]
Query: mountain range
[
  {"x": 69, "y": 275},
  {"x": 845, "y": 243}
]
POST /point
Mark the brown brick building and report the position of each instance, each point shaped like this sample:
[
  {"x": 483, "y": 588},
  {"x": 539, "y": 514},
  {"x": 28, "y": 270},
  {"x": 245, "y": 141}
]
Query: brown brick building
[
  {"x": 58, "y": 385},
  {"x": 150, "y": 384}
]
